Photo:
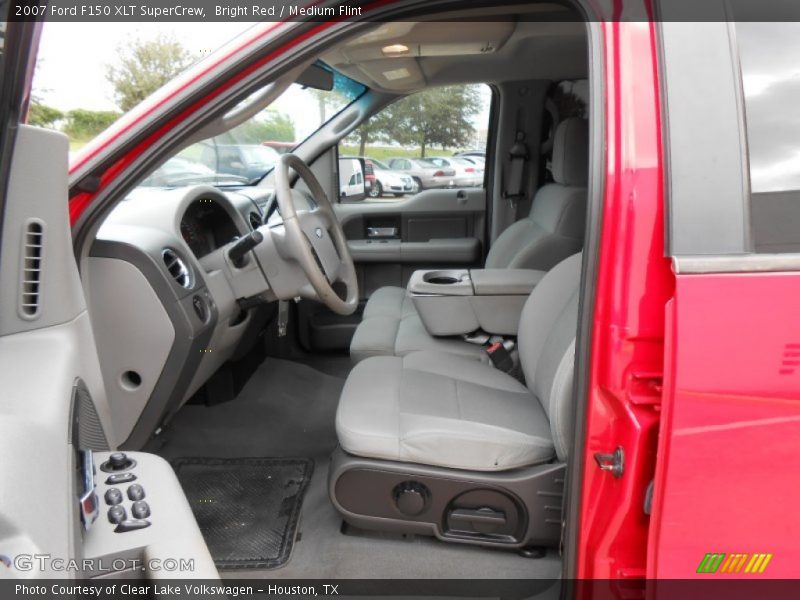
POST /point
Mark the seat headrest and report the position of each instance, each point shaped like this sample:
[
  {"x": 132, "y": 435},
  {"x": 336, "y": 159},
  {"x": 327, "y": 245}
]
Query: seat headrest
[{"x": 571, "y": 152}]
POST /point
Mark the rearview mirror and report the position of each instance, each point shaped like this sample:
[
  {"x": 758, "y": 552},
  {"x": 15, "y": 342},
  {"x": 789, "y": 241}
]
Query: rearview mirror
[{"x": 353, "y": 184}]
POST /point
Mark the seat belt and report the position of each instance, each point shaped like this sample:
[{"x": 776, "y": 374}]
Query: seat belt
[
  {"x": 499, "y": 350},
  {"x": 514, "y": 181}
]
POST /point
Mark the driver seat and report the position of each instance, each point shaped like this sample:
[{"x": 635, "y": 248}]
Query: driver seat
[{"x": 431, "y": 417}]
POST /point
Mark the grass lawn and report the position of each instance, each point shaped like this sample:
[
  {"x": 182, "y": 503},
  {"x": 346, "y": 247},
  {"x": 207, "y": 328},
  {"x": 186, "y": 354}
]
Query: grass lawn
[
  {"x": 384, "y": 152},
  {"x": 75, "y": 145}
]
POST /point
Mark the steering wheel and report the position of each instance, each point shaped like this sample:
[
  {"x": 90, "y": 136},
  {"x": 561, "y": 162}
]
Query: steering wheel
[{"x": 315, "y": 238}]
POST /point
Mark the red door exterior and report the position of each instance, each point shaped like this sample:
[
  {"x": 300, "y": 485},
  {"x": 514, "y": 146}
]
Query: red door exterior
[
  {"x": 634, "y": 284},
  {"x": 727, "y": 479}
]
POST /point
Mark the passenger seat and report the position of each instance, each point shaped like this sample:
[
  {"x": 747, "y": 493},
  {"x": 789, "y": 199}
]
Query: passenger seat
[{"x": 553, "y": 231}]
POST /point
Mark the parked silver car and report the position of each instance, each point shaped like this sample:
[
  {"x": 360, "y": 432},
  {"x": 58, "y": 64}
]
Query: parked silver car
[
  {"x": 466, "y": 173},
  {"x": 425, "y": 173}
]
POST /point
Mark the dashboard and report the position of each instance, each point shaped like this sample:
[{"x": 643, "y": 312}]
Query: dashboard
[
  {"x": 206, "y": 226},
  {"x": 166, "y": 300}
]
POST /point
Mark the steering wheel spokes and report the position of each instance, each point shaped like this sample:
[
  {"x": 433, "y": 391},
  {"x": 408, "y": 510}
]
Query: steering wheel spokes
[
  {"x": 317, "y": 225},
  {"x": 315, "y": 238}
]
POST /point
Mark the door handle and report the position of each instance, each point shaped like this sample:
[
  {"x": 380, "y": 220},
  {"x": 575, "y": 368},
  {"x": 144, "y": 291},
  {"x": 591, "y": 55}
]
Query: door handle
[{"x": 376, "y": 232}]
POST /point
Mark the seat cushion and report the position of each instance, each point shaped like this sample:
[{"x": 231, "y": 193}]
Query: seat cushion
[
  {"x": 443, "y": 410},
  {"x": 391, "y": 327}
]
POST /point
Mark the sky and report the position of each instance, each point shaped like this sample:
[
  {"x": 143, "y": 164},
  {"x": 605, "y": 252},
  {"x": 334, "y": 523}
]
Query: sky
[
  {"x": 770, "y": 63},
  {"x": 72, "y": 61},
  {"x": 61, "y": 83}
]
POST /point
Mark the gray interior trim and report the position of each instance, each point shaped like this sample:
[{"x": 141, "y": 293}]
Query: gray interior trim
[
  {"x": 173, "y": 532},
  {"x": 191, "y": 336},
  {"x": 355, "y": 484},
  {"x": 756, "y": 263},
  {"x": 707, "y": 174},
  {"x": 457, "y": 250},
  {"x": 37, "y": 184},
  {"x": 520, "y": 105}
]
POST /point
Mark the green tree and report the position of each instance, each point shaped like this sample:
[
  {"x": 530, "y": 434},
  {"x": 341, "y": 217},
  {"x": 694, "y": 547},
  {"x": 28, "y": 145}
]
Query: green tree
[
  {"x": 438, "y": 117},
  {"x": 85, "y": 124},
  {"x": 378, "y": 128},
  {"x": 273, "y": 126},
  {"x": 42, "y": 115},
  {"x": 143, "y": 66}
]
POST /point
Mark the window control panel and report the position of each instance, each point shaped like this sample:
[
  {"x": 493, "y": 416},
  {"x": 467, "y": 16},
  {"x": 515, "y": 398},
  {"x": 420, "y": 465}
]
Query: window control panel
[{"x": 128, "y": 509}]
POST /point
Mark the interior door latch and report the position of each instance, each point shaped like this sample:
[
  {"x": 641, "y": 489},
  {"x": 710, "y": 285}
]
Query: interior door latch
[{"x": 615, "y": 463}]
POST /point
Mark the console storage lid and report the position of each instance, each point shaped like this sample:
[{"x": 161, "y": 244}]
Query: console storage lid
[{"x": 505, "y": 282}]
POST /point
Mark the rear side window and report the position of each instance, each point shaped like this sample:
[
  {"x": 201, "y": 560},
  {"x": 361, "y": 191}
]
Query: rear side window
[
  {"x": 418, "y": 135},
  {"x": 769, "y": 55}
]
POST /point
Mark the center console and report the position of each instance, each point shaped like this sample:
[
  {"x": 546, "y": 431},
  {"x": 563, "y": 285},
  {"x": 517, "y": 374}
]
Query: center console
[
  {"x": 138, "y": 517},
  {"x": 461, "y": 301}
]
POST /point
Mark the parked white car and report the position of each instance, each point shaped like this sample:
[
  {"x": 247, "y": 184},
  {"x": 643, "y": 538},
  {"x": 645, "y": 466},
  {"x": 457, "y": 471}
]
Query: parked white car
[
  {"x": 479, "y": 162},
  {"x": 389, "y": 181}
]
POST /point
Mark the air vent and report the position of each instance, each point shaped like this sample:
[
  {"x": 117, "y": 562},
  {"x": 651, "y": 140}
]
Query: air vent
[
  {"x": 31, "y": 272},
  {"x": 255, "y": 220},
  {"x": 177, "y": 268}
]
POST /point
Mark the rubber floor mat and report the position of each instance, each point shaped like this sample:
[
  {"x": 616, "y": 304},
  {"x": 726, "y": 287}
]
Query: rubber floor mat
[{"x": 247, "y": 508}]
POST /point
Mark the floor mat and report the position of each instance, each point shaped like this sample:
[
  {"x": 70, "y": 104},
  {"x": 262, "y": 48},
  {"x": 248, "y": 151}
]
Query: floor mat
[
  {"x": 247, "y": 508},
  {"x": 287, "y": 409}
]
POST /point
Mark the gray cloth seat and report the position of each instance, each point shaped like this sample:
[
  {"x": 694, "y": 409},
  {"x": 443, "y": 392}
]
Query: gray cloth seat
[
  {"x": 553, "y": 231},
  {"x": 441, "y": 409}
]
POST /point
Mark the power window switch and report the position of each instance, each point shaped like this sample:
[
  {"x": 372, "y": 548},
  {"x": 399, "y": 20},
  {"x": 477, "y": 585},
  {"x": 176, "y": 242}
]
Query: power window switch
[
  {"x": 135, "y": 492},
  {"x": 117, "y": 514},
  {"x": 140, "y": 510},
  {"x": 113, "y": 496},
  {"x": 131, "y": 525}
]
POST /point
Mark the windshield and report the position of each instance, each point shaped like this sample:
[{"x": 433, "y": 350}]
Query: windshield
[{"x": 246, "y": 153}]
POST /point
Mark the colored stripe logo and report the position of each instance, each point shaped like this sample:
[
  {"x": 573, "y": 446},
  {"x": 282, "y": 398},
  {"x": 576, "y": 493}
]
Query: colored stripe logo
[{"x": 714, "y": 562}]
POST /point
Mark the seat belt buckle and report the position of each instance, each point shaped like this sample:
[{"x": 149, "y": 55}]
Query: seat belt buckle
[{"x": 500, "y": 357}]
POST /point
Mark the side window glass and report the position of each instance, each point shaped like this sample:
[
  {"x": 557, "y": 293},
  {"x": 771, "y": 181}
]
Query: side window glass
[
  {"x": 769, "y": 55},
  {"x": 409, "y": 144}
]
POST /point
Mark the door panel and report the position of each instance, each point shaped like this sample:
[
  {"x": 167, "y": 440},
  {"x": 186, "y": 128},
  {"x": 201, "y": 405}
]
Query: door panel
[
  {"x": 389, "y": 240},
  {"x": 53, "y": 399},
  {"x": 432, "y": 228}
]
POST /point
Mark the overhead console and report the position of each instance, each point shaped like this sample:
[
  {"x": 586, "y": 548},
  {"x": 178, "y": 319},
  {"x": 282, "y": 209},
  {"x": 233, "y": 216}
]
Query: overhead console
[{"x": 460, "y": 301}]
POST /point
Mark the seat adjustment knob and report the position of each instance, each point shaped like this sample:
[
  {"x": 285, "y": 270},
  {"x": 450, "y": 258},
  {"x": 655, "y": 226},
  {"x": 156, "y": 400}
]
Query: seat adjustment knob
[{"x": 411, "y": 498}]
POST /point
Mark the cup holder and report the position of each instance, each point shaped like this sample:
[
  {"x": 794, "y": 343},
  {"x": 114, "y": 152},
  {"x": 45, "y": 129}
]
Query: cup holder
[{"x": 442, "y": 278}]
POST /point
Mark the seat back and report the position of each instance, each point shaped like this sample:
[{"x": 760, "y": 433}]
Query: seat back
[
  {"x": 555, "y": 227},
  {"x": 547, "y": 329}
]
